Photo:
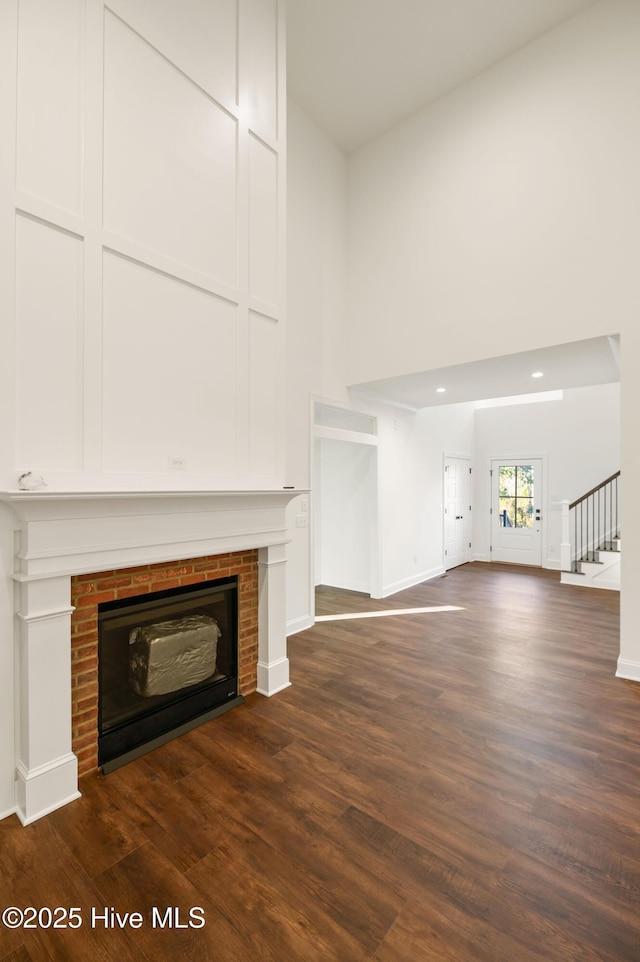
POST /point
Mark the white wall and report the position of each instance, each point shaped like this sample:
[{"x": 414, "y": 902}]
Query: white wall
[
  {"x": 506, "y": 217},
  {"x": 579, "y": 438},
  {"x": 316, "y": 281},
  {"x": 148, "y": 198},
  {"x": 411, "y": 471}
]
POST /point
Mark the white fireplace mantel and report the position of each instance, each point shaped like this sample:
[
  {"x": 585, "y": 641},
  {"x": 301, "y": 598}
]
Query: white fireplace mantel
[{"x": 62, "y": 533}]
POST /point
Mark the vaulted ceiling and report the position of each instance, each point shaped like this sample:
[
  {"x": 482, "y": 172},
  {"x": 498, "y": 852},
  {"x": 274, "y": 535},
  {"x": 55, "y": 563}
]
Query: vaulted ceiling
[{"x": 358, "y": 67}]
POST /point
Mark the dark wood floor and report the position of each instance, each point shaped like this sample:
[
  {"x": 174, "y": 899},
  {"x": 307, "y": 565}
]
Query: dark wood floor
[{"x": 459, "y": 787}]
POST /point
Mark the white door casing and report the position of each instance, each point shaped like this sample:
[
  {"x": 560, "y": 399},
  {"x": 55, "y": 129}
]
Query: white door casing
[
  {"x": 457, "y": 511},
  {"x": 516, "y": 511}
]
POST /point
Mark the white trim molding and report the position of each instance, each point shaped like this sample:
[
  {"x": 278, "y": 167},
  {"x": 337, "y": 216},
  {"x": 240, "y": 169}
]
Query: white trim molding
[
  {"x": 67, "y": 533},
  {"x": 42, "y": 790},
  {"x": 299, "y": 624},
  {"x": 628, "y": 669},
  {"x": 273, "y": 664},
  {"x": 412, "y": 581}
]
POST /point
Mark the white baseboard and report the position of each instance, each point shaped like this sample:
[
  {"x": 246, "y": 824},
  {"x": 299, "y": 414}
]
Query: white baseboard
[
  {"x": 273, "y": 677},
  {"x": 45, "y": 788},
  {"x": 552, "y": 563},
  {"x": 346, "y": 585},
  {"x": 628, "y": 669},
  {"x": 411, "y": 582},
  {"x": 299, "y": 624}
]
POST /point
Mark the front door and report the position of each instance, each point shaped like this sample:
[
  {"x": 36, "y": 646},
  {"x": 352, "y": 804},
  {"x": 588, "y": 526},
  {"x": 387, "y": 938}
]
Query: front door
[
  {"x": 516, "y": 505},
  {"x": 457, "y": 511}
]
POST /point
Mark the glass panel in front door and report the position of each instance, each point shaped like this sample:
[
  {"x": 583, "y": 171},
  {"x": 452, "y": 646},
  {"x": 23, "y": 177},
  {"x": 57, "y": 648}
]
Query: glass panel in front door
[{"x": 515, "y": 495}]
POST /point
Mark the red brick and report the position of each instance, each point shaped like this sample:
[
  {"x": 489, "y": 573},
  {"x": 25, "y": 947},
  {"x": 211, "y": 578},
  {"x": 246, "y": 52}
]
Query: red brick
[
  {"x": 85, "y": 658},
  {"x": 83, "y": 588},
  {"x": 83, "y": 716},
  {"x": 179, "y": 571},
  {"x": 85, "y": 740},
  {"x": 192, "y": 579},
  {"x": 80, "y": 659},
  {"x": 204, "y": 562},
  {"x": 165, "y": 585},
  {"x": 82, "y": 638},
  {"x": 86, "y": 700},
  {"x": 130, "y": 592},
  {"x": 113, "y": 581},
  {"x": 95, "y": 598},
  {"x": 87, "y": 760},
  {"x": 87, "y": 640},
  {"x": 86, "y": 728},
  {"x": 143, "y": 578}
]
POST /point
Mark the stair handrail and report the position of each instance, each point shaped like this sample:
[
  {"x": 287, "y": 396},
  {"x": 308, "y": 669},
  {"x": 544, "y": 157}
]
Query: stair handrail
[
  {"x": 593, "y": 490},
  {"x": 592, "y": 527}
]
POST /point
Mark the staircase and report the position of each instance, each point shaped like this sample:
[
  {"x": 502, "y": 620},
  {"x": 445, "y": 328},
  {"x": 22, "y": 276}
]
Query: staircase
[{"x": 591, "y": 546}]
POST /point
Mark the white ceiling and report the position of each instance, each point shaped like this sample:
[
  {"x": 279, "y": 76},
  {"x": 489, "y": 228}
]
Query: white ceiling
[
  {"x": 359, "y": 67},
  {"x": 581, "y": 363}
]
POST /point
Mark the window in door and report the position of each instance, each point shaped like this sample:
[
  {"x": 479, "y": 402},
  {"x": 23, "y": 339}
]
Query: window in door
[{"x": 516, "y": 496}]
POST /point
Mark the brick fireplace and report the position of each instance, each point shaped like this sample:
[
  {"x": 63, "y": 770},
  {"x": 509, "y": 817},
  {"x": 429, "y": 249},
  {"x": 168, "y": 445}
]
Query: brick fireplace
[
  {"x": 77, "y": 549},
  {"x": 90, "y": 590}
]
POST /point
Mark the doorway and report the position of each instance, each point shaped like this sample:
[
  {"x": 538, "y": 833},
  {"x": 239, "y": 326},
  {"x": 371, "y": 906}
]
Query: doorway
[
  {"x": 345, "y": 529},
  {"x": 344, "y": 469},
  {"x": 457, "y": 511},
  {"x": 516, "y": 511}
]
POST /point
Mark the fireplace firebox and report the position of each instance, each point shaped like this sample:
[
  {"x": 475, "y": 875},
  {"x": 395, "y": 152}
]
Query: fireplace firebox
[{"x": 167, "y": 661}]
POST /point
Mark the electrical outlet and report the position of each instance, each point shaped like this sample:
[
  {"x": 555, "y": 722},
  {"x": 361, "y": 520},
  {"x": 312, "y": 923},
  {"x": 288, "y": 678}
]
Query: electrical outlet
[
  {"x": 176, "y": 462},
  {"x": 304, "y": 504}
]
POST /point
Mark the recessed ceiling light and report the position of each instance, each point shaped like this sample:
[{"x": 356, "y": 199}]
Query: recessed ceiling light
[
  {"x": 538, "y": 374},
  {"x": 440, "y": 390}
]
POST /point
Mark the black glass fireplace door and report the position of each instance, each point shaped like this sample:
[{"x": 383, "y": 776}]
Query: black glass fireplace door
[{"x": 166, "y": 662}]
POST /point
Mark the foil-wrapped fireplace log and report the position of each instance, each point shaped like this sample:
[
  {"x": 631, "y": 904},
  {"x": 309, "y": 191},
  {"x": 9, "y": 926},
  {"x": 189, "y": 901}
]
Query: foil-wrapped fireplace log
[{"x": 170, "y": 655}]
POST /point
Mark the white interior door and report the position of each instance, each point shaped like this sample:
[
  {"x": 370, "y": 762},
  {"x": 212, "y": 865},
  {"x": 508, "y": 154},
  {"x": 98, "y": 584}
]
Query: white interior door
[
  {"x": 457, "y": 511},
  {"x": 516, "y": 505}
]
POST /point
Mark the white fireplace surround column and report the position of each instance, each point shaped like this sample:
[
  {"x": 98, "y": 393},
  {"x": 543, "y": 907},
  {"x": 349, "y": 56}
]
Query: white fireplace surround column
[
  {"x": 68, "y": 533},
  {"x": 273, "y": 664}
]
